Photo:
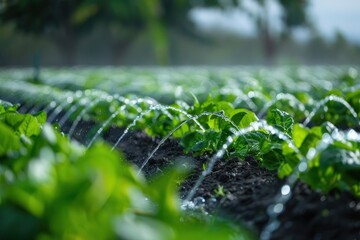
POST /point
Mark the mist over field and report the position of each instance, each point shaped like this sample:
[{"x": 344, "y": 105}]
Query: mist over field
[{"x": 195, "y": 33}]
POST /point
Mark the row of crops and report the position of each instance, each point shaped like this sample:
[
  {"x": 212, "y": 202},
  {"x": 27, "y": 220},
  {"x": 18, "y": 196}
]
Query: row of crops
[{"x": 60, "y": 179}]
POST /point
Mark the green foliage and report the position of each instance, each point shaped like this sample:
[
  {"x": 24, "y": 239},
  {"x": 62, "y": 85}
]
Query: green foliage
[
  {"x": 220, "y": 123},
  {"x": 219, "y": 191},
  {"x": 55, "y": 188},
  {"x": 24, "y": 124},
  {"x": 333, "y": 158},
  {"x": 9, "y": 141},
  {"x": 17, "y": 129},
  {"x": 295, "y": 12},
  {"x": 281, "y": 120},
  {"x": 214, "y": 110},
  {"x": 66, "y": 21}
]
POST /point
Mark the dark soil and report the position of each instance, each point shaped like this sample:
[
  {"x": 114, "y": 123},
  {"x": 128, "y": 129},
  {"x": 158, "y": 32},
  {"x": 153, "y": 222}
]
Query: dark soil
[{"x": 249, "y": 189}]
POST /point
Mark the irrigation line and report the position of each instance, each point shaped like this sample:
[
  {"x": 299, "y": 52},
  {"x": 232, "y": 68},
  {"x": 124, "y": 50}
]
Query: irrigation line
[{"x": 178, "y": 127}]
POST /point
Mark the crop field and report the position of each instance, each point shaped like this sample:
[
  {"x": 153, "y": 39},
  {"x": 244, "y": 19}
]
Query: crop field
[{"x": 180, "y": 153}]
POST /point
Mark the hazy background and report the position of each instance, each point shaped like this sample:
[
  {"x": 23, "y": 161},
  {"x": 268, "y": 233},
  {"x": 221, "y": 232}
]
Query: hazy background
[{"x": 179, "y": 32}]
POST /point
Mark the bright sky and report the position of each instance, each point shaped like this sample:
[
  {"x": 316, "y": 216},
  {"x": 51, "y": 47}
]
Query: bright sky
[
  {"x": 342, "y": 15},
  {"x": 328, "y": 16}
]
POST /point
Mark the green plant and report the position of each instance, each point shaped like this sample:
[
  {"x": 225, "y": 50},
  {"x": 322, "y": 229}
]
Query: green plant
[
  {"x": 55, "y": 188},
  {"x": 219, "y": 191},
  {"x": 298, "y": 105}
]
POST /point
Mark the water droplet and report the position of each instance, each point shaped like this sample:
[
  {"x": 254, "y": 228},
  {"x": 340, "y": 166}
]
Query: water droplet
[
  {"x": 178, "y": 91},
  {"x": 109, "y": 98},
  {"x": 233, "y": 131},
  {"x": 199, "y": 201},
  {"x": 326, "y": 138},
  {"x": 311, "y": 153},
  {"x": 251, "y": 94},
  {"x": 274, "y": 225},
  {"x": 285, "y": 190},
  {"x": 187, "y": 205},
  {"x": 87, "y": 92},
  {"x": 53, "y": 104},
  {"x": 353, "y": 72},
  {"x": 357, "y": 206},
  {"x": 278, "y": 208},
  {"x": 229, "y": 139},
  {"x": 220, "y": 153},
  {"x": 84, "y": 101},
  {"x": 336, "y": 135},
  {"x": 302, "y": 167},
  {"x": 78, "y": 93},
  {"x": 352, "y": 135},
  {"x": 212, "y": 202},
  {"x": 70, "y": 99}
]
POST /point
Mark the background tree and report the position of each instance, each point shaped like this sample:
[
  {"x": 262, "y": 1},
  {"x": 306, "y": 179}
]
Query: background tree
[
  {"x": 66, "y": 21},
  {"x": 294, "y": 14}
]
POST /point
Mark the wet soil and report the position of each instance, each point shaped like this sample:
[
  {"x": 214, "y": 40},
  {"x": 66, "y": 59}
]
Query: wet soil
[{"x": 248, "y": 190}]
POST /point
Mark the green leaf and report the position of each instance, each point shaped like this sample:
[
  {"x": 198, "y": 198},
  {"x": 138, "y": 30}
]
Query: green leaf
[
  {"x": 7, "y": 107},
  {"x": 41, "y": 118},
  {"x": 311, "y": 141},
  {"x": 272, "y": 159},
  {"x": 193, "y": 141},
  {"x": 299, "y": 134},
  {"x": 290, "y": 161},
  {"x": 163, "y": 191},
  {"x": 281, "y": 120},
  {"x": 24, "y": 123},
  {"x": 9, "y": 141},
  {"x": 250, "y": 143},
  {"x": 13, "y": 217},
  {"x": 243, "y": 118}
]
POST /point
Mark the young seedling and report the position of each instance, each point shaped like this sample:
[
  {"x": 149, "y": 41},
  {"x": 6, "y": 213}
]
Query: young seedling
[
  {"x": 219, "y": 191},
  {"x": 204, "y": 166}
]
